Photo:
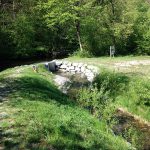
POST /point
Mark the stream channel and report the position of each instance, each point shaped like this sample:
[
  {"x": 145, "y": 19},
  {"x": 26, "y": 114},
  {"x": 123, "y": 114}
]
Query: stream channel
[{"x": 70, "y": 83}]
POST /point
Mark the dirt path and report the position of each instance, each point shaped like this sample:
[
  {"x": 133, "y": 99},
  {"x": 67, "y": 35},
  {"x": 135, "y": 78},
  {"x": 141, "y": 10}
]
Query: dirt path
[{"x": 132, "y": 63}]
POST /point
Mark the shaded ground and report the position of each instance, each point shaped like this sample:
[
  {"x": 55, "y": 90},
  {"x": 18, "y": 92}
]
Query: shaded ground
[{"x": 128, "y": 120}]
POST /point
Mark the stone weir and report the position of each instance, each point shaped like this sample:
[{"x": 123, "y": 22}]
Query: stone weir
[{"x": 89, "y": 71}]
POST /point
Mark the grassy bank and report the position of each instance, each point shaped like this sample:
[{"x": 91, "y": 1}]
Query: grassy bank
[
  {"x": 127, "y": 80},
  {"x": 123, "y": 84},
  {"x": 36, "y": 115}
]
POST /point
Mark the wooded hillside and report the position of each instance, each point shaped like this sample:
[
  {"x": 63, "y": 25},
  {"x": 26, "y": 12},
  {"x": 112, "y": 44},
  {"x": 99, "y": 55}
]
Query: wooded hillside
[{"x": 42, "y": 28}]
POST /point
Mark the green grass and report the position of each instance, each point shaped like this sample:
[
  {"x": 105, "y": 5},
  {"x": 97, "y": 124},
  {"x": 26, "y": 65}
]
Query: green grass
[
  {"x": 108, "y": 59},
  {"x": 128, "y": 88},
  {"x": 127, "y": 91},
  {"x": 110, "y": 64},
  {"x": 41, "y": 117}
]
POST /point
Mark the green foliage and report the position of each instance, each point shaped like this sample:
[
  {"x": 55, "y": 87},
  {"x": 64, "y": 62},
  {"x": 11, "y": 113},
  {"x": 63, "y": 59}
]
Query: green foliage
[
  {"x": 116, "y": 21},
  {"x": 126, "y": 91},
  {"x": 23, "y": 35},
  {"x": 117, "y": 90},
  {"x": 48, "y": 119},
  {"x": 116, "y": 83},
  {"x": 142, "y": 29},
  {"x": 40, "y": 28},
  {"x": 134, "y": 136},
  {"x": 81, "y": 54},
  {"x": 93, "y": 99},
  {"x": 136, "y": 96},
  {"x": 6, "y": 44}
]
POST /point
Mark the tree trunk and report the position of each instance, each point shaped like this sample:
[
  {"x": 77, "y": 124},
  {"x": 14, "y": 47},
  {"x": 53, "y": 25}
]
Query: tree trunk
[{"x": 78, "y": 35}]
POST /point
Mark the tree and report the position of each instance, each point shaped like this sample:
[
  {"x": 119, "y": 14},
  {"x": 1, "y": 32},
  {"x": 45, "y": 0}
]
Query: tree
[
  {"x": 119, "y": 20},
  {"x": 62, "y": 13},
  {"x": 41, "y": 27},
  {"x": 142, "y": 28}
]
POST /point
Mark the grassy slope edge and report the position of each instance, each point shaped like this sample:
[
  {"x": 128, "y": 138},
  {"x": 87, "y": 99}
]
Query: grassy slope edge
[
  {"x": 128, "y": 85},
  {"x": 36, "y": 115}
]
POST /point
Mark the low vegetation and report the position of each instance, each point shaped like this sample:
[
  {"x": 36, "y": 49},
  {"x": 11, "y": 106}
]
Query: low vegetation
[
  {"x": 36, "y": 115},
  {"x": 125, "y": 88},
  {"x": 40, "y": 117}
]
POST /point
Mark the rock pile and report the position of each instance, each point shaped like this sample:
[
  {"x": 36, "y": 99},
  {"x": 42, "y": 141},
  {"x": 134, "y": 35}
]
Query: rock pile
[{"x": 64, "y": 66}]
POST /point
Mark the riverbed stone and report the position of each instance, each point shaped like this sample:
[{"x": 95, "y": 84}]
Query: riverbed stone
[
  {"x": 67, "y": 69},
  {"x": 73, "y": 72},
  {"x": 83, "y": 69},
  {"x": 88, "y": 71},
  {"x": 62, "y": 70},
  {"x": 46, "y": 65},
  {"x": 77, "y": 69},
  {"x": 83, "y": 75},
  {"x": 63, "y": 83},
  {"x": 58, "y": 63},
  {"x": 80, "y": 65},
  {"x": 85, "y": 65},
  {"x": 94, "y": 69},
  {"x": 65, "y": 62},
  {"x": 72, "y": 68},
  {"x": 63, "y": 66},
  {"x": 69, "y": 64},
  {"x": 90, "y": 79}
]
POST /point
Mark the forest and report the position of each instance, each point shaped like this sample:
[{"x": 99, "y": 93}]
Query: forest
[{"x": 56, "y": 28}]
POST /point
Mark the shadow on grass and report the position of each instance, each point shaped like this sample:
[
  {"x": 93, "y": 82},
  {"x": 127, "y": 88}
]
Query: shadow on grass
[
  {"x": 48, "y": 123},
  {"x": 39, "y": 89},
  {"x": 7, "y": 87},
  {"x": 9, "y": 140},
  {"x": 32, "y": 89}
]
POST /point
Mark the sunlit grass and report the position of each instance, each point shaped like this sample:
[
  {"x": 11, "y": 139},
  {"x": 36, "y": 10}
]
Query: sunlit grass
[{"x": 46, "y": 118}]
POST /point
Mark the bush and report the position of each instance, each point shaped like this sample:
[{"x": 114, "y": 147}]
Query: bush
[
  {"x": 83, "y": 53},
  {"x": 115, "y": 83},
  {"x": 94, "y": 99}
]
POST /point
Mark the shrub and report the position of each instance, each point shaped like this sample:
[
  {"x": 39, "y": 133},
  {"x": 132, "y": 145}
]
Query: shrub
[
  {"x": 115, "y": 83},
  {"x": 82, "y": 54},
  {"x": 94, "y": 99}
]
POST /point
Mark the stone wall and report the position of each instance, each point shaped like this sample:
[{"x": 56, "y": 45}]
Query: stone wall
[{"x": 89, "y": 71}]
